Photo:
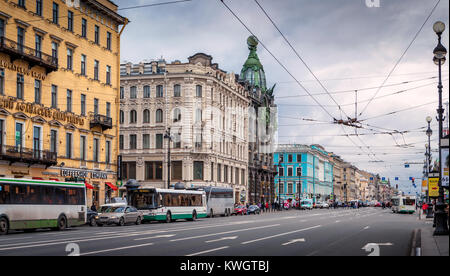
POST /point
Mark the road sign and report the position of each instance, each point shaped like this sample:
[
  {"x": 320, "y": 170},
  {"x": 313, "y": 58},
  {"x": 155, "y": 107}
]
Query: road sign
[{"x": 433, "y": 186}]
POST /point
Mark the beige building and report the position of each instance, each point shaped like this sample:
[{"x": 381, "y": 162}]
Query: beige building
[
  {"x": 205, "y": 110},
  {"x": 338, "y": 177}
]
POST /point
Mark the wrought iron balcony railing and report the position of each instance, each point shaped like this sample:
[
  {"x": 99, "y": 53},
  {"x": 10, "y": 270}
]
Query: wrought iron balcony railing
[
  {"x": 29, "y": 156},
  {"x": 32, "y": 56},
  {"x": 102, "y": 121}
]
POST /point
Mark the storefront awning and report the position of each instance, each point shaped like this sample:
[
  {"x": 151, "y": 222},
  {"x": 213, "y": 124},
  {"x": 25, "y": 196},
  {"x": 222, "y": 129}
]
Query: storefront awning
[
  {"x": 111, "y": 186},
  {"x": 89, "y": 186}
]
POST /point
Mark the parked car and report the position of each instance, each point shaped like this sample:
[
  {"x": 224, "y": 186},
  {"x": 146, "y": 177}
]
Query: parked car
[
  {"x": 322, "y": 205},
  {"x": 240, "y": 210},
  {"x": 91, "y": 217},
  {"x": 306, "y": 204},
  {"x": 105, "y": 207},
  {"x": 120, "y": 215},
  {"x": 377, "y": 204},
  {"x": 254, "y": 209}
]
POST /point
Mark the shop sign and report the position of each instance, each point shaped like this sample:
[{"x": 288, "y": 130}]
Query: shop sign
[{"x": 83, "y": 174}]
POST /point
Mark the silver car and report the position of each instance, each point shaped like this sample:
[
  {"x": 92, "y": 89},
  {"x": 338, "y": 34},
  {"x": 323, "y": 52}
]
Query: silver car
[{"x": 120, "y": 215}]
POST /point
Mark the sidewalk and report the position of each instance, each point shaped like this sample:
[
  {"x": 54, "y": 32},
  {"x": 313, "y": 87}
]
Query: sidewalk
[{"x": 432, "y": 245}]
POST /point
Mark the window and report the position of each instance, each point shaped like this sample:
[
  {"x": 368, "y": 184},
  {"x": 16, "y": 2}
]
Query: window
[
  {"x": 37, "y": 91},
  {"x": 54, "y": 96},
  {"x": 153, "y": 170},
  {"x": 55, "y": 18},
  {"x": 20, "y": 38},
  {"x": 176, "y": 140},
  {"x": 159, "y": 141},
  {"x": 96, "y": 67},
  {"x": 95, "y": 106},
  {"x": 83, "y": 104},
  {"x": 198, "y": 115},
  {"x": 83, "y": 65},
  {"x": 133, "y": 141},
  {"x": 146, "y": 91},
  {"x": 2, "y": 81},
  {"x": 83, "y": 148},
  {"x": 159, "y": 116},
  {"x": 281, "y": 188},
  {"x": 39, "y": 7},
  {"x": 54, "y": 52},
  {"x": 121, "y": 117},
  {"x": 219, "y": 172},
  {"x": 129, "y": 170},
  {"x": 198, "y": 170},
  {"x": 38, "y": 46},
  {"x": 290, "y": 171},
  {"x": 69, "y": 101},
  {"x": 20, "y": 86},
  {"x": 299, "y": 158},
  {"x": 198, "y": 91},
  {"x": 299, "y": 171},
  {"x": 95, "y": 150},
  {"x": 108, "y": 40},
  {"x": 108, "y": 109},
  {"x": 177, "y": 90},
  {"x": 159, "y": 91},
  {"x": 19, "y": 135},
  {"x": 290, "y": 158},
  {"x": 281, "y": 171},
  {"x": 176, "y": 170},
  {"x": 289, "y": 188},
  {"x": 122, "y": 92},
  {"x": 133, "y": 93},
  {"x": 53, "y": 141},
  {"x": 281, "y": 158},
  {"x": 83, "y": 27},
  {"x": 121, "y": 142},
  {"x": 146, "y": 116},
  {"x": 176, "y": 115},
  {"x": 146, "y": 141},
  {"x": 108, "y": 74},
  {"x": 108, "y": 152},
  {"x": 70, "y": 21},
  {"x": 97, "y": 34},
  {"x": 2, "y": 27},
  {"x": 225, "y": 174},
  {"x": 133, "y": 116},
  {"x": 68, "y": 145},
  {"x": 36, "y": 141},
  {"x": 21, "y": 3},
  {"x": 69, "y": 59}
]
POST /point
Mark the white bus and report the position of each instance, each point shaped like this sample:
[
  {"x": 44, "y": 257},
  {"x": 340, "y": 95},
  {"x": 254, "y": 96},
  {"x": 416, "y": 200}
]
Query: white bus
[
  {"x": 219, "y": 201},
  {"x": 404, "y": 204},
  {"x": 168, "y": 204},
  {"x": 31, "y": 204}
]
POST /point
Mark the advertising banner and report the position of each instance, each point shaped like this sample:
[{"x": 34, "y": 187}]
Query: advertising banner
[
  {"x": 433, "y": 186},
  {"x": 445, "y": 167}
]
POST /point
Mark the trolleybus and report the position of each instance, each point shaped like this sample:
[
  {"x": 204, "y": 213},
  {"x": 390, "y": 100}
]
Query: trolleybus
[{"x": 404, "y": 204}]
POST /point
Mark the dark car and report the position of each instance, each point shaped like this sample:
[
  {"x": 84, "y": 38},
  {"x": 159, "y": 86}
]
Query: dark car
[
  {"x": 91, "y": 217},
  {"x": 253, "y": 209},
  {"x": 240, "y": 210}
]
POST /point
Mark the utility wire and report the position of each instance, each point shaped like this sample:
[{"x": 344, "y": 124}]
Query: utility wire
[{"x": 401, "y": 57}]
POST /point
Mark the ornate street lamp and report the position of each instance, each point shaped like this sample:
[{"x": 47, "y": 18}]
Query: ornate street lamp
[
  {"x": 167, "y": 136},
  {"x": 439, "y": 59},
  {"x": 429, "y": 132}
]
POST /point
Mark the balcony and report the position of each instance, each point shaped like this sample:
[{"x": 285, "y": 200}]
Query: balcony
[
  {"x": 29, "y": 156},
  {"x": 33, "y": 57},
  {"x": 101, "y": 120}
]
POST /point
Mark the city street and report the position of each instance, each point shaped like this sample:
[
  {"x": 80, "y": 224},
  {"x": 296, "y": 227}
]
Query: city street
[{"x": 340, "y": 232}]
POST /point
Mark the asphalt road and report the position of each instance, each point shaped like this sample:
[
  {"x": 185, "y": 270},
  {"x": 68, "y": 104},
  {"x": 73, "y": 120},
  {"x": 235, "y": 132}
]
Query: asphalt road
[{"x": 288, "y": 233}]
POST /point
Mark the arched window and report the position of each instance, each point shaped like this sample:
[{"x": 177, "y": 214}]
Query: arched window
[
  {"x": 146, "y": 91},
  {"x": 176, "y": 115},
  {"x": 159, "y": 116},
  {"x": 146, "y": 116},
  {"x": 177, "y": 90},
  {"x": 133, "y": 116},
  {"x": 198, "y": 91},
  {"x": 121, "y": 117}
]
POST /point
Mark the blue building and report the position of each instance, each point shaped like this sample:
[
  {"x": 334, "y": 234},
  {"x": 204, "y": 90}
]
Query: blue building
[{"x": 303, "y": 172}]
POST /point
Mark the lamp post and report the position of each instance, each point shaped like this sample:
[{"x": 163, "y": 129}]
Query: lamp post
[
  {"x": 429, "y": 132},
  {"x": 439, "y": 59},
  {"x": 167, "y": 136}
]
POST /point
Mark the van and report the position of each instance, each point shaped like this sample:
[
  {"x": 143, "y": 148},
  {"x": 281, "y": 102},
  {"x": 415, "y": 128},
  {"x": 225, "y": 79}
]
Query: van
[{"x": 306, "y": 204}]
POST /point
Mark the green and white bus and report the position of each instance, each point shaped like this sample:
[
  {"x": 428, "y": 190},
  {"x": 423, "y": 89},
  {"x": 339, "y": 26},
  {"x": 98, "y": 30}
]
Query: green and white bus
[
  {"x": 30, "y": 204},
  {"x": 168, "y": 204},
  {"x": 404, "y": 204}
]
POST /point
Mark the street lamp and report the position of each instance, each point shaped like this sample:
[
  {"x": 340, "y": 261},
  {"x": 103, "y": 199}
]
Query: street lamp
[
  {"x": 439, "y": 59},
  {"x": 429, "y": 132},
  {"x": 167, "y": 136}
]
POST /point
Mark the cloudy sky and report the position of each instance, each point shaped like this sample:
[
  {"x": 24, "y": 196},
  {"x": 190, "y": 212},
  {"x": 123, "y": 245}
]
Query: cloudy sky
[{"x": 346, "y": 44}]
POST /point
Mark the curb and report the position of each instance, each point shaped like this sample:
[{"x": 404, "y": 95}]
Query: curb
[{"x": 416, "y": 243}]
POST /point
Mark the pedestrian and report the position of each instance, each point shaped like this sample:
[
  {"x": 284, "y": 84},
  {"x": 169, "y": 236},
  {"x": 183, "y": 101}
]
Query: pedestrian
[
  {"x": 93, "y": 208},
  {"x": 267, "y": 206},
  {"x": 263, "y": 207}
]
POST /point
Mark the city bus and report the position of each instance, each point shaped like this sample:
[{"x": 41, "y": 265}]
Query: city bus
[
  {"x": 219, "y": 201},
  {"x": 168, "y": 205},
  {"x": 404, "y": 204},
  {"x": 30, "y": 204}
]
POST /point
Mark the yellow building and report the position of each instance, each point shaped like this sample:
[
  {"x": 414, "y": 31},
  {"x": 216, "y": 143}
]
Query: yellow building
[{"x": 59, "y": 90}]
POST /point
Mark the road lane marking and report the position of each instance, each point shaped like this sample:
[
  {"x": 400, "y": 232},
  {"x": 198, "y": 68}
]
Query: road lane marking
[
  {"x": 227, "y": 232},
  {"x": 367, "y": 227},
  {"x": 222, "y": 239},
  {"x": 282, "y": 234},
  {"x": 207, "y": 251},
  {"x": 294, "y": 241},
  {"x": 116, "y": 249},
  {"x": 155, "y": 237}
]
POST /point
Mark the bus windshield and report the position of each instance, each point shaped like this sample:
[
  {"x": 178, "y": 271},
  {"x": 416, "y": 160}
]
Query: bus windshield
[
  {"x": 144, "y": 201},
  {"x": 409, "y": 201}
]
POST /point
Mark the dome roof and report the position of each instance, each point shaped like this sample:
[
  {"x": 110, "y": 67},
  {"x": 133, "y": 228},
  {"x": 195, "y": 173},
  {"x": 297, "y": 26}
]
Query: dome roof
[{"x": 253, "y": 71}]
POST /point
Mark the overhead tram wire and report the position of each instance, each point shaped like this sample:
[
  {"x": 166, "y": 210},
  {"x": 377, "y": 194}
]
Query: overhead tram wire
[
  {"x": 401, "y": 57},
  {"x": 277, "y": 60}
]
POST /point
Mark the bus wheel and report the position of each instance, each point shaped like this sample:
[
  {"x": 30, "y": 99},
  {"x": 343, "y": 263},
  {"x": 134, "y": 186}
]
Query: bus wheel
[
  {"x": 4, "y": 226},
  {"x": 61, "y": 224},
  {"x": 168, "y": 217}
]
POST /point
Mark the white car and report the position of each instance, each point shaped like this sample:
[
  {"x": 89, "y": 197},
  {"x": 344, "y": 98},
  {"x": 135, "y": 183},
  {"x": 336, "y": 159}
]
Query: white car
[{"x": 322, "y": 205}]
